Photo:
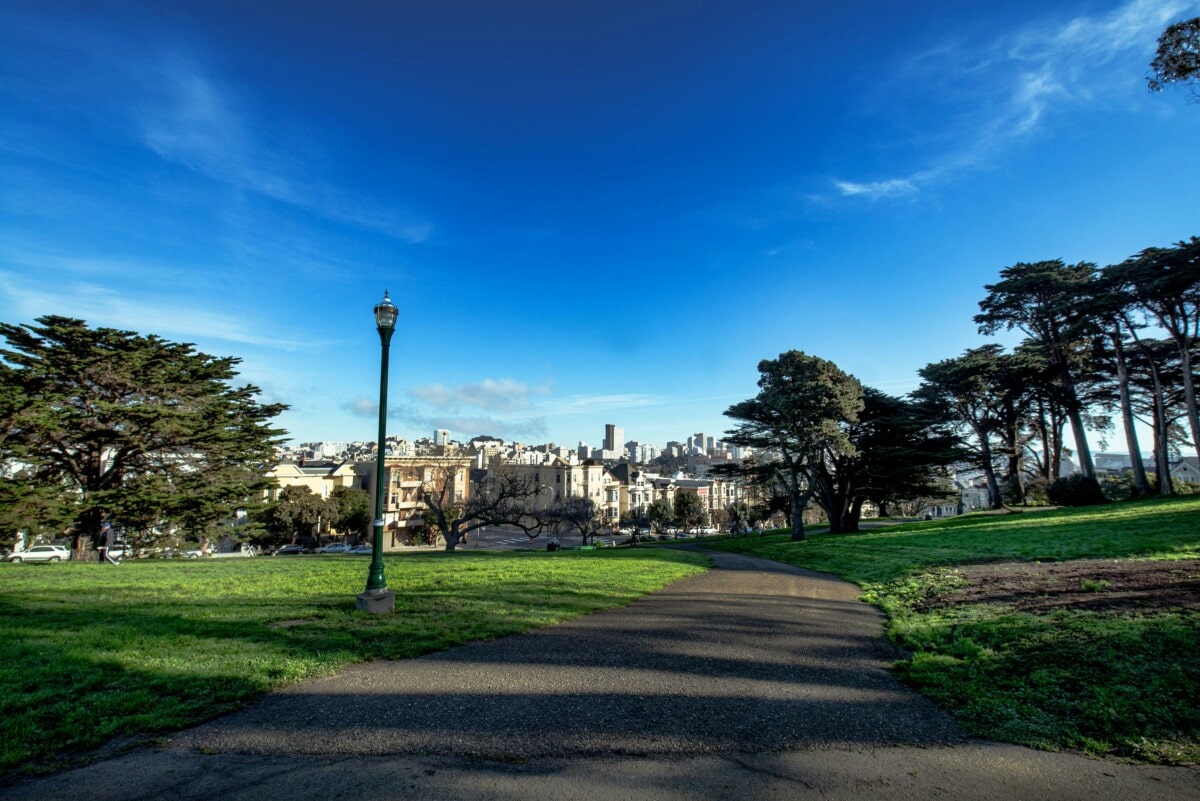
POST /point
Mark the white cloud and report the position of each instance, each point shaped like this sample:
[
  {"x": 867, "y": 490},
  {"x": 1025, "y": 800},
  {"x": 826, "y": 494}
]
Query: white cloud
[
  {"x": 1009, "y": 88},
  {"x": 362, "y": 407},
  {"x": 504, "y": 395}
]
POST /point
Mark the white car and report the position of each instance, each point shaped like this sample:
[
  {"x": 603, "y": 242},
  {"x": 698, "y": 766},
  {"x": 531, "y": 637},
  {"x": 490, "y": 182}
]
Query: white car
[
  {"x": 41, "y": 553},
  {"x": 334, "y": 547},
  {"x": 364, "y": 548}
]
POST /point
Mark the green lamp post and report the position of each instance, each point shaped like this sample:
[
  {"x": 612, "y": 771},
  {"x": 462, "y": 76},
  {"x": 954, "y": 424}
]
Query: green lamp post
[{"x": 377, "y": 597}]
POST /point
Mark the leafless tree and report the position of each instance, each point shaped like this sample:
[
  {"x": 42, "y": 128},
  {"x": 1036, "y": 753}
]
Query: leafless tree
[{"x": 501, "y": 498}]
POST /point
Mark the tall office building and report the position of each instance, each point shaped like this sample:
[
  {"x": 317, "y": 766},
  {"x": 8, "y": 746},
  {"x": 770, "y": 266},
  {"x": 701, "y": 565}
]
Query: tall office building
[
  {"x": 441, "y": 437},
  {"x": 614, "y": 438}
]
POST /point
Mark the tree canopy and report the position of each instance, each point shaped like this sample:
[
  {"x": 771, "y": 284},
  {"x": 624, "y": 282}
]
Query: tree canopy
[
  {"x": 1177, "y": 60},
  {"x": 799, "y": 416},
  {"x": 128, "y": 424},
  {"x": 689, "y": 509},
  {"x": 1049, "y": 302},
  {"x": 296, "y": 515}
]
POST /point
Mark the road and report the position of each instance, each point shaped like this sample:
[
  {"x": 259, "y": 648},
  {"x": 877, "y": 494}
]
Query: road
[{"x": 511, "y": 537}]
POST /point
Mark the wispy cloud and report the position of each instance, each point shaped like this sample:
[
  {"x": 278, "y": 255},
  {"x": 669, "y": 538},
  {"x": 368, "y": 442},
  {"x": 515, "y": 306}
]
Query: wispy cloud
[
  {"x": 593, "y": 403},
  {"x": 149, "y": 311},
  {"x": 189, "y": 118},
  {"x": 1017, "y": 82},
  {"x": 878, "y": 189}
]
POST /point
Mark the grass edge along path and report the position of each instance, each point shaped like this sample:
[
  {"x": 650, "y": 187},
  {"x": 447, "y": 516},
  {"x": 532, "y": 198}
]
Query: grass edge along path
[
  {"x": 99, "y": 658},
  {"x": 1106, "y": 683}
]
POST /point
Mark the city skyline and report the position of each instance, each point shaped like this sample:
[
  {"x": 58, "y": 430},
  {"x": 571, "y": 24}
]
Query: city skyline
[{"x": 585, "y": 212}]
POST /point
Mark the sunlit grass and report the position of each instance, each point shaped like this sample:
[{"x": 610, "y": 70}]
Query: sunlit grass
[
  {"x": 1101, "y": 682},
  {"x": 92, "y": 654}
]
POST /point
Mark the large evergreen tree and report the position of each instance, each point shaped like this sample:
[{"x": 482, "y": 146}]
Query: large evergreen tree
[
  {"x": 130, "y": 424},
  {"x": 1166, "y": 283},
  {"x": 1049, "y": 302},
  {"x": 970, "y": 390},
  {"x": 798, "y": 418}
]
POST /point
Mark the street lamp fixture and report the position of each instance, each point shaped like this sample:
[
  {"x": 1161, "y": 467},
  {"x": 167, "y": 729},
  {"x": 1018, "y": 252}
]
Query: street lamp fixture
[{"x": 377, "y": 597}]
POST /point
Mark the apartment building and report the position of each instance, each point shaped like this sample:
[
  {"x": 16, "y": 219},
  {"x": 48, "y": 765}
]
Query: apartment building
[
  {"x": 320, "y": 477},
  {"x": 403, "y": 479},
  {"x": 560, "y": 479}
]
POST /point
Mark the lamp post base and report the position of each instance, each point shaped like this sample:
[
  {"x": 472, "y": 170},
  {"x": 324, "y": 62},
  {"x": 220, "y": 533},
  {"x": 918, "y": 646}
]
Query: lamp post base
[{"x": 377, "y": 602}]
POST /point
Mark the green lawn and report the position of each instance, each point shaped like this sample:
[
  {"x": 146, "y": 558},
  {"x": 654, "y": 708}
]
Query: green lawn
[
  {"x": 1124, "y": 683},
  {"x": 101, "y": 655}
]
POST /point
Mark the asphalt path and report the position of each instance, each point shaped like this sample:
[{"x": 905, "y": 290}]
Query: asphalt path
[{"x": 754, "y": 680}]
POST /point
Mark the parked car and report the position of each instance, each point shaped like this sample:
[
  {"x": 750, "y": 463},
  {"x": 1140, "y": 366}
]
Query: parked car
[
  {"x": 364, "y": 548},
  {"x": 181, "y": 553},
  {"x": 40, "y": 553},
  {"x": 334, "y": 547},
  {"x": 289, "y": 550}
]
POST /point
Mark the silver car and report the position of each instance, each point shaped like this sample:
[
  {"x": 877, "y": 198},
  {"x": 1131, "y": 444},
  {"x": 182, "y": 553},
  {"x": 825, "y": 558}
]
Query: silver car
[{"x": 41, "y": 553}]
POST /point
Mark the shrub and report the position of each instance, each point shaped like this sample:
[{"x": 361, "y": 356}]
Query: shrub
[
  {"x": 1037, "y": 490},
  {"x": 1076, "y": 490}
]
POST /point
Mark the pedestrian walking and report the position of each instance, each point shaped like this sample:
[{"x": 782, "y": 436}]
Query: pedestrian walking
[
  {"x": 108, "y": 538},
  {"x": 104, "y": 541}
]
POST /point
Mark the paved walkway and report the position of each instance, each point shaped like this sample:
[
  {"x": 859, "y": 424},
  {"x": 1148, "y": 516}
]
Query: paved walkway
[{"x": 755, "y": 680}]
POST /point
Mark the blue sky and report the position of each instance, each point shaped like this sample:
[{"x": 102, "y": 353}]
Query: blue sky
[{"x": 587, "y": 213}]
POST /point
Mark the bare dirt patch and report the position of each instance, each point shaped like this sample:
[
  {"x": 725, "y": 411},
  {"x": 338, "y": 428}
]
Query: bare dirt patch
[{"x": 1088, "y": 584}]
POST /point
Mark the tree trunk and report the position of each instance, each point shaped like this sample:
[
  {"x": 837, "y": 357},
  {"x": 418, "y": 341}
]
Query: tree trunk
[
  {"x": 1075, "y": 415},
  {"x": 854, "y": 514},
  {"x": 1189, "y": 392},
  {"x": 1013, "y": 452},
  {"x": 1162, "y": 467},
  {"x": 1013, "y": 474},
  {"x": 1043, "y": 461},
  {"x": 1056, "y": 446},
  {"x": 1141, "y": 487},
  {"x": 798, "y": 504},
  {"x": 995, "y": 500}
]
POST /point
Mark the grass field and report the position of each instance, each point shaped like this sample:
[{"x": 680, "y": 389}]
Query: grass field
[
  {"x": 101, "y": 656},
  {"x": 1123, "y": 681}
]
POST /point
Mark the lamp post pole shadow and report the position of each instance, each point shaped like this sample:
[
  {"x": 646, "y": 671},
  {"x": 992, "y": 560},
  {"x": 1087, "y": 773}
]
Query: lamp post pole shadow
[{"x": 377, "y": 598}]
